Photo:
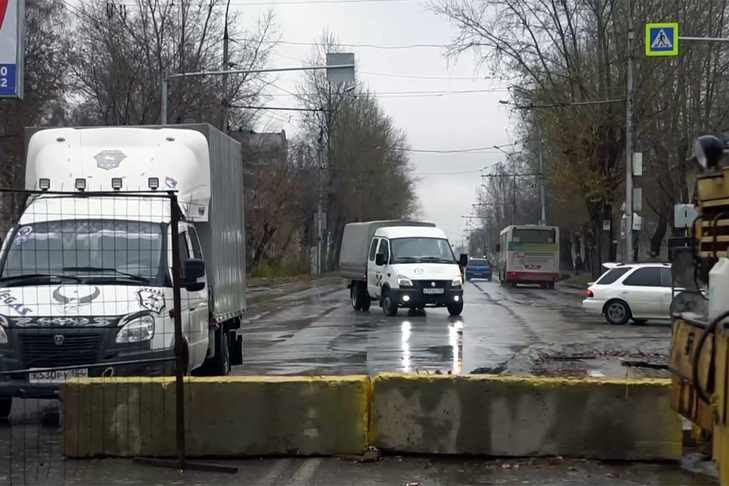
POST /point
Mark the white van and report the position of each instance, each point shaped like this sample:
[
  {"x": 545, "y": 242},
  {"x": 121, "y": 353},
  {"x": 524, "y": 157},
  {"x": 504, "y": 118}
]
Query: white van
[{"x": 401, "y": 264}]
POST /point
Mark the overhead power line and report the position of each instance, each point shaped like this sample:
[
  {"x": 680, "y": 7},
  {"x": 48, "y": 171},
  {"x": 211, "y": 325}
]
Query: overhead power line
[
  {"x": 296, "y": 2},
  {"x": 452, "y": 151}
]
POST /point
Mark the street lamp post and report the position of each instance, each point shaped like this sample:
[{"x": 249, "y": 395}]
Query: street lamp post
[{"x": 226, "y": 39}]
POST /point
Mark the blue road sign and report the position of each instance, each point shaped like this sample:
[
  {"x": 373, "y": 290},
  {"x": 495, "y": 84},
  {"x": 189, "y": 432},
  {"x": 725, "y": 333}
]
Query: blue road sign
[
  {"x": 661, "y": 39},
  {"x": 7, "y": 79}
]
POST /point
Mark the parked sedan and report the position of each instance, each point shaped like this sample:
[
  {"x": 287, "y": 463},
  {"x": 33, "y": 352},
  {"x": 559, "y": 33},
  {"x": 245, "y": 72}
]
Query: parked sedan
[
  {"x": 631, "y": 291},
  {"x": 478, "y": 268}
]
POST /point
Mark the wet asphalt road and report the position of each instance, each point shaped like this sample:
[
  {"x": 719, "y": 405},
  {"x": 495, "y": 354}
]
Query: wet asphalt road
[
  {"x": 518, "y": 330},
  {"x": 310, "y": 328}
]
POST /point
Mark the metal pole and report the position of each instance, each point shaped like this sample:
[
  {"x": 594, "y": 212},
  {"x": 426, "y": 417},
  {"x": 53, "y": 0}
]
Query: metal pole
[
  {"x": 179, "y": 342},
  {"x": 629, "y": 145},
  {"x": 513, "y": 194},
  {"x": 224, "y": 122},
  {"x": 542, "y": 202},
  {"x": 163, "y": 100}
]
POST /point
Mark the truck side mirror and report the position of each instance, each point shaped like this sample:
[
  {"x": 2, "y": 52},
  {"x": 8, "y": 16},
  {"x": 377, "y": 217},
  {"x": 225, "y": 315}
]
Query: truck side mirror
[
  {"x": 193, "y": 269},
  {"x": 463, "y": 261},
  {"x": 380, "y": 259}
]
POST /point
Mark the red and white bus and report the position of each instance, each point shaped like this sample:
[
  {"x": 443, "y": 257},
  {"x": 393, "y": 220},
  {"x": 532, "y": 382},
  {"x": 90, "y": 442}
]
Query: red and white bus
[{"x": 529, "y": 254}]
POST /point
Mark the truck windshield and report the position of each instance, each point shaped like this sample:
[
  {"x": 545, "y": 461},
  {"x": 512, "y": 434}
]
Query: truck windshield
[
  {"x": 421, "y": 250},
  {"x": 87, "y": 248}
]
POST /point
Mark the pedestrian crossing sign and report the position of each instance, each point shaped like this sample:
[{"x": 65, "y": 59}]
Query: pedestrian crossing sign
[{"x": 661, "y": 39}]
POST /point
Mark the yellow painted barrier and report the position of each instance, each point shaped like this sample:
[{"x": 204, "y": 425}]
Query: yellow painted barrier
[
  {"x": 406, "y": 413},
  {"x": 523, "y": 416}
]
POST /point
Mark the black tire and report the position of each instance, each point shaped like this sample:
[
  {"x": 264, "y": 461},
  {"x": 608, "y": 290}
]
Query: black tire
[
  {"x": 6, "y": 405},
  {"x": 354, "y": 297},
  {"x": 218, "y": 365},
  {"x": 617, "y": 312},
  {"x": 365, "y": 301},
  {"x": 550, "y": 285},
  {"x": 455, "y": 309},
  {"x": 360, "y": 297},
  {"x": 389, "y": 306}
]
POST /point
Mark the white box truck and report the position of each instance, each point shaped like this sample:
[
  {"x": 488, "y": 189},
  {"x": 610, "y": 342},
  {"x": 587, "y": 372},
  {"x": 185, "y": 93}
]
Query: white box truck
[
  {"x": 401, "y": 264},
  {"x": 85, "y": 278}
]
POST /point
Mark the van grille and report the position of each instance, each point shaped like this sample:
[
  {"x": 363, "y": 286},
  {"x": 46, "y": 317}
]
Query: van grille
[{"x": 41, "y": 350}]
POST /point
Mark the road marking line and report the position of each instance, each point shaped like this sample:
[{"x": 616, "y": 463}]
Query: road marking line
[
  {"x": 274, "y": 473},
  {"x": 306, "y": 471}
]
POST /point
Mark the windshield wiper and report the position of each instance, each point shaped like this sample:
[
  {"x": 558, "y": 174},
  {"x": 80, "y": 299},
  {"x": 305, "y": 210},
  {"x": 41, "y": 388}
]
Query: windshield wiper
[
  {"x": 137, "y": 278},
  {"x": 435, "y": 259},
  {"x": 22, "y": 279},
  {"x": 405, "y": 259}
]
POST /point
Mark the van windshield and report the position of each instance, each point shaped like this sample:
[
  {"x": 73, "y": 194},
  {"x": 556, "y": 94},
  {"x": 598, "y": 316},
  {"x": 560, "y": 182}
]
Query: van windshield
[
  {"x": 421, "y": 250},
  {"x": 86, "y": 248}
]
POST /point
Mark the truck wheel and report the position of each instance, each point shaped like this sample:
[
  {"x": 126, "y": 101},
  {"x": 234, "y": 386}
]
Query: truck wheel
[
  {"x": 455, "y": 309},
  {"x": 6, "y": 404},
  {"x": 389, "y": 306},
  {"x": 360, "y": 297},
  {"x": 354, "y": 294},
  {"x": 218, "y": 365},
  {"x": 223, "y": 355},
  {"x": 365, "y": 300}
]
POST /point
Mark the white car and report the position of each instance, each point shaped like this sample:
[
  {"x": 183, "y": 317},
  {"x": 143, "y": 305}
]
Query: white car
[{"x": 639, "y": 291}]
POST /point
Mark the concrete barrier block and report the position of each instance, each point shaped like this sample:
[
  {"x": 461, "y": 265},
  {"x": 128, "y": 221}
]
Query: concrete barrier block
[
  {"x": 225, "y": 416},
  {"x": 523, "y": 416}
]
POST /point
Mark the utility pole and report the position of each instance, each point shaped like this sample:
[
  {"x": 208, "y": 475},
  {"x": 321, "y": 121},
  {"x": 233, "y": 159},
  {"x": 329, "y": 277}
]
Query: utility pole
[
  {"x": 542, "y": 201},
  {"x": 629, "y": 143},
  {"x": 226, "y": 38}
]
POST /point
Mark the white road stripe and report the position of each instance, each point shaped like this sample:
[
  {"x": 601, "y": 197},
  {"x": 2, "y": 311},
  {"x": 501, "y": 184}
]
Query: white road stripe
[
  {"x": 271, "y": 478},
  {"x": 305, "y": 472}
]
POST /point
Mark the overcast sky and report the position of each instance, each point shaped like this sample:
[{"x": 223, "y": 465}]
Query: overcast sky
[{"x": 447, "y": 183}]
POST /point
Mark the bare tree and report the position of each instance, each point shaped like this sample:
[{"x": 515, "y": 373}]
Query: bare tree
[{"x": 121, "y": 54}]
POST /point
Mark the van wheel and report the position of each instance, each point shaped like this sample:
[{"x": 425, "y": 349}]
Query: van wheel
[
  {"x": 6, "y": 405},
  {"x": 389, "y": 306},
  {"x": 360, "y": 297},
  {"x": 617, "y": 312},
  {"x": 455, "y": 309}
]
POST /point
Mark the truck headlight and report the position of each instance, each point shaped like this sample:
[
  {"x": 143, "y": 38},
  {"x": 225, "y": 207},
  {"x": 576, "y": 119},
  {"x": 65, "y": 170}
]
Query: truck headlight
[
  {"x": 136, "y": 330},
  {"x": 3, "y": 334},
  {"x": 403, "y": 281},
  {"x": 456, "y": 282}
]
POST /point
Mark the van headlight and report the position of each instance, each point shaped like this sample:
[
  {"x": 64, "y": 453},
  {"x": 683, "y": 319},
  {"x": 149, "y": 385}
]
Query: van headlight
[
  {"x": 136, "y": 330},
  {"x": 403, "y": 281},
  {"x": 3, "y": 333},
  {"x": 456, "y": 282}
]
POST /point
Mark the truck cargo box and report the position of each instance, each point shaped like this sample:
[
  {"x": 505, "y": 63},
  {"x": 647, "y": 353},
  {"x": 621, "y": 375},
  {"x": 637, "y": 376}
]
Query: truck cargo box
[{"x": 355, "y": 245}]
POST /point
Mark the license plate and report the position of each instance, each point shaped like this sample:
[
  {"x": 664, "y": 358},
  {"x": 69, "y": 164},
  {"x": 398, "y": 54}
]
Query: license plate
[
  {"x": 433, "y": 291},
  {"x": 60, "y": 376}
]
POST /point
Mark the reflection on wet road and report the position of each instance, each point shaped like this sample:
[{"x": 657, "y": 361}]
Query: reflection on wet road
[
  {"x": 315, "y": 331},
  {"x": 319, "y": 333}
]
